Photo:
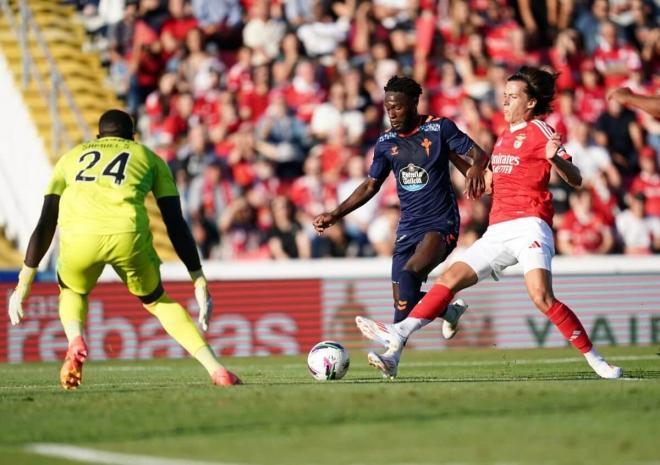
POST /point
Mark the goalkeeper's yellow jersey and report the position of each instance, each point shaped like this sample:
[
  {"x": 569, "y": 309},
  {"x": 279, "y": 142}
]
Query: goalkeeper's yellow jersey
[{"x": 103, "y": 185}]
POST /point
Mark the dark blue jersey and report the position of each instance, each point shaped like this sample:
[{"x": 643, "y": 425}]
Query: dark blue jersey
[{"x": 420, "y": 162}]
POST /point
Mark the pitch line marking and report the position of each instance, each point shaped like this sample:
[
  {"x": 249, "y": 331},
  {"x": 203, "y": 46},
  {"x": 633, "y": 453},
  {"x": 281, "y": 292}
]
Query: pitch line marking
[{"x": 83, "y": 454}]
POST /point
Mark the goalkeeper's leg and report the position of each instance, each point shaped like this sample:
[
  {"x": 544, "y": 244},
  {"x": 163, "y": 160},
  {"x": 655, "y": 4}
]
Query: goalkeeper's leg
[
  {"x": 178, "y": 324},
  {"x": 73, "y": 313}
]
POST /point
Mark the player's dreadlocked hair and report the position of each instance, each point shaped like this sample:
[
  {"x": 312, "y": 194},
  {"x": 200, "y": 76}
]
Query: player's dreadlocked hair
[
  {"x": 540, "y": 86},
  {"x": 405, "y": 85}
]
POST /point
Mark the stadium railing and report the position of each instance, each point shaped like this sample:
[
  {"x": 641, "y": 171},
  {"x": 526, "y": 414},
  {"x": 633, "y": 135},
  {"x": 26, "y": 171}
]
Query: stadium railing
[{"x": 51, "y": 86}]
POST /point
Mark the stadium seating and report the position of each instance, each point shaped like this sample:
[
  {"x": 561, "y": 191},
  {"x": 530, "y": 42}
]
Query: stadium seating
[
  {"x": 83, "y": 76},
  {"x": 9, "y": 256}
]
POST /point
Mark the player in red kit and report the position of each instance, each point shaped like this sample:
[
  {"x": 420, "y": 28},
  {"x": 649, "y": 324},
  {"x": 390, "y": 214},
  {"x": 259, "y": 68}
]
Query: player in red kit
[{"x": 519, "y": 227}]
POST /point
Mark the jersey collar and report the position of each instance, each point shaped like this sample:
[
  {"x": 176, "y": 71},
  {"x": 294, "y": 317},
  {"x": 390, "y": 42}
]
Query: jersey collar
[
  {"x": 422, "y": 119},
  {"x": 517, "y": 127}
]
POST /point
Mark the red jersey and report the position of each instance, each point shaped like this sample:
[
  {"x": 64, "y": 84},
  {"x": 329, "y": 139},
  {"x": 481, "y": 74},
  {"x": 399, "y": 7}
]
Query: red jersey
[
  {"x": 585, "y": 236},
  {"x": 618, "y": 58},
  {"x": 498, "y": 40},
  {"x": 521, "y": 173},
  {"x": 590, "y": 102},
  {"x": 255, "y": 102},
  {"x": 649, "y": 185},
  {"x": 178, "y": 27}
]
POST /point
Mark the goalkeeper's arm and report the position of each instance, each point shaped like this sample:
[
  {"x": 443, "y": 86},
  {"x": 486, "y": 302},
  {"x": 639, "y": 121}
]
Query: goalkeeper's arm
[
  {"x": 43, "y": 233},
  {"x": 184, "y": 245},
  {"x": 40, "y": 241},
  {"x": 179, "y": 233}
]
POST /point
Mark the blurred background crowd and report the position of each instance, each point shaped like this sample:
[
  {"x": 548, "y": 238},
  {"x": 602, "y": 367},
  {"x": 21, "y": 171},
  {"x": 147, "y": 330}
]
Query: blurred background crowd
[{"x": 267, "y": 111}]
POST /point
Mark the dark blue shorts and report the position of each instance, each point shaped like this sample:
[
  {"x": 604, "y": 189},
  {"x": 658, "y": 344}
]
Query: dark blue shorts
[{"x": 406, "y": 245}]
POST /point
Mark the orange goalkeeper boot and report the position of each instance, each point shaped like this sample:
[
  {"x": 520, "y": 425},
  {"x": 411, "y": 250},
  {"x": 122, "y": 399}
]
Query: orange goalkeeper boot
[
  {"x": 225, "y": 378},
  {"x": 71, "y": 372}
]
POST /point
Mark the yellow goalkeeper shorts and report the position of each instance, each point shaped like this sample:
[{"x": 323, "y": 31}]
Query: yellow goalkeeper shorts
[{"x": 132, "y": 255}]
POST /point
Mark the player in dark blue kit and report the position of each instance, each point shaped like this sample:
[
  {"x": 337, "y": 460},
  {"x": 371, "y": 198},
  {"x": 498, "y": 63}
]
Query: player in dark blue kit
[{"x": 417, "y": 149}]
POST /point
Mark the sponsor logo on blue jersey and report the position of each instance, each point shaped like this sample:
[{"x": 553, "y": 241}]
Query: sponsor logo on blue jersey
[{"x": 413, "y": 178}]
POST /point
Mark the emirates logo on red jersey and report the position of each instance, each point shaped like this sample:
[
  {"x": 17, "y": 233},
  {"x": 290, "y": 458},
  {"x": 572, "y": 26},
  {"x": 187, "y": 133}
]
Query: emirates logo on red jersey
[{"x": 504, "y": 163}]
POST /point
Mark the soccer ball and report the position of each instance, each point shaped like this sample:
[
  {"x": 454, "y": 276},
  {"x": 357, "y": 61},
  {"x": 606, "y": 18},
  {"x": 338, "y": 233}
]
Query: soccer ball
[{"x": 328, "y": 360}]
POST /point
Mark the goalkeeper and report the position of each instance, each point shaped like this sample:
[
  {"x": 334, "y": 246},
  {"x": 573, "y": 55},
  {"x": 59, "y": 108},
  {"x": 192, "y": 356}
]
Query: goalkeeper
[{"x": 96, "y": 195}]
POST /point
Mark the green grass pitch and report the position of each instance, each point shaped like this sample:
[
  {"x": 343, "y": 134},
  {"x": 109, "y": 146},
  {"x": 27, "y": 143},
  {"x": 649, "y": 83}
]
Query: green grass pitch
[{"x": 458, "y": 407}]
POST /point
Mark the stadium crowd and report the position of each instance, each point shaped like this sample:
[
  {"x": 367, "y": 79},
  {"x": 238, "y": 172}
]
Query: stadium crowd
[{"x": 267, "y": 111}]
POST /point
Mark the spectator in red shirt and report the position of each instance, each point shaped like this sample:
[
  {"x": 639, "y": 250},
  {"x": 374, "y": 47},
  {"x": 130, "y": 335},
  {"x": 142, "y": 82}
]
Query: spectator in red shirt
[
  {"x": 159, "y": 103},
  {"x": 647, "y": 181},
  {"x": 253, "y": 99},
  {"x": 583, "y": 232},
  {"x": 590, "y": 95},
  {"x": 613, "y": 59},
  {"x": 498, "y": 35},
  {"x": 176, "y": 27},
  {"x": 310, "y": 193},
  {"x": 208, "y": 196},
  {"x": 446, "y": 95},
  {"x": 563, "y": 115},
  {"x": 565, "y": 58},
  {"x": 304, "y": 93},
  {"x": 146, "y": 63}
]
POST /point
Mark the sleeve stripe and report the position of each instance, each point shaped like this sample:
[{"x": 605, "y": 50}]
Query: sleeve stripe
[
  {"x": 544, "y": 127},
  {"x": 548, "y": 131}
]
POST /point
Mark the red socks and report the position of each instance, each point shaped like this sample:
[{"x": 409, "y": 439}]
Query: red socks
[
  {"x": 569, "y": 325},
  {"x": 434, "y": 303},
  {"x": 436, "y": 300}
]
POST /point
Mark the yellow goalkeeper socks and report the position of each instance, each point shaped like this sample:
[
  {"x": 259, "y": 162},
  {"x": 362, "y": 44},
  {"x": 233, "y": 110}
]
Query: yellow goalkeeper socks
[
  {"x": 207, "y": 358},
  {"x": 73, "y": 313},
  {"x": 178, "y": 324}
]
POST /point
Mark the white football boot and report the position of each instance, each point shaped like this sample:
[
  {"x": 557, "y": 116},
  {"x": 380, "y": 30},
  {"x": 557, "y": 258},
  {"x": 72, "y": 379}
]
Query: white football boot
[
  {"x": 451, "y": 317},
  {"x": 601, "y": 367},
  {"x": 382, "y": 333},
  {"x": 387, "y": 363}
]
